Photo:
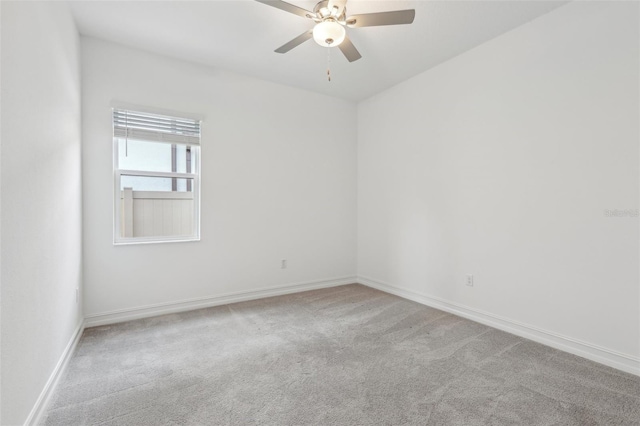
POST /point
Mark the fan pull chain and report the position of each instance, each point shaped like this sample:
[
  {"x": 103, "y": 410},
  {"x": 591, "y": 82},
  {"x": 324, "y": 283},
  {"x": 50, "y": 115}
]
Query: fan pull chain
[{"x": 329, "y": 63}]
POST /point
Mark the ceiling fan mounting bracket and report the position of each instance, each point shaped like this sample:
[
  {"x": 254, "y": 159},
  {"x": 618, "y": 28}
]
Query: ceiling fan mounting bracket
[{"x": 323, "y": 12}]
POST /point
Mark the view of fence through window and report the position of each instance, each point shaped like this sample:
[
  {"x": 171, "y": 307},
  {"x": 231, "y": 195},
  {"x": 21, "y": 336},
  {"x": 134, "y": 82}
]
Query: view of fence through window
[{"x": 157, "y": 195}]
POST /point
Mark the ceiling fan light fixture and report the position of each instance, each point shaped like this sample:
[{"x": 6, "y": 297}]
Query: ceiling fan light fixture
[{"x": 328, "y": 33}]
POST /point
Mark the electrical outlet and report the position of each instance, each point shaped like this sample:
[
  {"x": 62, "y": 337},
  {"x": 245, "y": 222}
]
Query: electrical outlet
[
  {"x": 470, "y": 280},
  {"x": 283, "y": 264}
]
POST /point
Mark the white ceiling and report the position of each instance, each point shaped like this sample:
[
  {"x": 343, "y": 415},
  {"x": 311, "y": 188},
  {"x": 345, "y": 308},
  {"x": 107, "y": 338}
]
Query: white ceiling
[{"x": 240, "y": 36}]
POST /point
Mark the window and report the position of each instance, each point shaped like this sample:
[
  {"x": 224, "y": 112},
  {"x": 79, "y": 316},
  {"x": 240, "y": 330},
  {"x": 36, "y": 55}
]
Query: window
[{"x": 157, "y": 178}]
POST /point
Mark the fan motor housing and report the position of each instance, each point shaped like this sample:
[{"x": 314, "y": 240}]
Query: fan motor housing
[{"x": 323, "y": 11}]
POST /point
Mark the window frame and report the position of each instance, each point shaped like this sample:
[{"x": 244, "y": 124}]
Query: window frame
[{"x": 118, "y": 239}]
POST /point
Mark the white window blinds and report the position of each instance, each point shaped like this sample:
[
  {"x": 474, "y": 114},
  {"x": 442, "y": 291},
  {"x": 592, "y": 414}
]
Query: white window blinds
[{"x": 154, "y": 127}]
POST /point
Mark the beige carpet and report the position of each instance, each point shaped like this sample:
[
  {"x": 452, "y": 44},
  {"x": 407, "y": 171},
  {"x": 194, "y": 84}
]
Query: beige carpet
[{"x": 347, "y": 355}]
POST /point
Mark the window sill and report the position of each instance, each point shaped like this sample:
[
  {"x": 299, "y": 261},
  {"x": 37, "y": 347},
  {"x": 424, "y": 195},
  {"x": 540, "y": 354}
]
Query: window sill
[{"x": 136, "y": 241}]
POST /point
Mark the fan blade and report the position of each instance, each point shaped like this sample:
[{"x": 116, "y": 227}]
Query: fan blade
[
  {"x": 382, "y": 18},
  {"x": 288, "y": 8},
  {"x": 349, "y": 50},
  {"x": 295, "y": 42},
  {"x": 340, "y": 4}
]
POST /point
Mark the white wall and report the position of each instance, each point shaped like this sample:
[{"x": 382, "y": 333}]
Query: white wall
[
  {"x": 278, "y": 182},
  {"x": 41, "y": 198},
  {"x": 500, "y": 163}
]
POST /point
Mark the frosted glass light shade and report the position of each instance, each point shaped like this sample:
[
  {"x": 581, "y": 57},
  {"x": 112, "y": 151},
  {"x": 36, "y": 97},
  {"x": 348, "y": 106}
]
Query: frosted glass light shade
[{"x": 328, "y": 33}]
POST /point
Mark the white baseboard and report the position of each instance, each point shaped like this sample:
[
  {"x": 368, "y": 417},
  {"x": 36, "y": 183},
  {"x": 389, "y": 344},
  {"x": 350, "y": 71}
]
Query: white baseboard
[
  {"x": 206, "y": 302},
  {"x": 590, "y": 351},
  {"x": 40, "y": 407}
]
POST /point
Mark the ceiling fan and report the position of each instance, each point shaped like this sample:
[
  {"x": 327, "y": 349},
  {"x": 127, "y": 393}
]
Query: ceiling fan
[{"x": 330, "y": 17}]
